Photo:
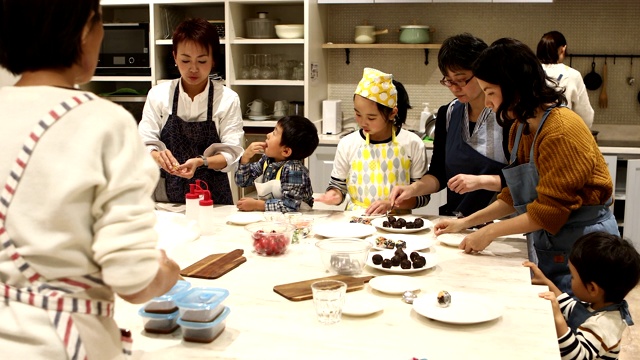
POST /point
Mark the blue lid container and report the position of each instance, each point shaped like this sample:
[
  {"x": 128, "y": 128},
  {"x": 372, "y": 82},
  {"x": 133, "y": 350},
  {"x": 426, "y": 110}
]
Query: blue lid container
[
  {"x": 204, "y": 332},
  {"x": 166, "y": 302},
  {"x": 159, "y": 323},
  {"x": 201, "y": 304}
]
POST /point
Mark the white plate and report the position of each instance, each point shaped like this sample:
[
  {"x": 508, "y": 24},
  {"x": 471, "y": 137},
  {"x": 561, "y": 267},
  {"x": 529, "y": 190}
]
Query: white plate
[
  {"x": 465, "y": 308},
  {"x": 394, "y": 284},
  {"x": 378, "y": 224},
  {"x": 174, "y": 229},
  {"x": 244, "y": 218},
  {"x": 414, "y": 242},
  {"x": 451, "y": 239},
  {"x": 357, "y": 306},
  {"x": 334, "y": 230},
  {"x": 388, "y": 254},
  {"x": 259, "y": 117}
]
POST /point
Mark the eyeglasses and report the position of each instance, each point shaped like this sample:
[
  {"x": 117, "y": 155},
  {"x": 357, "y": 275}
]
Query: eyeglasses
[{"x": 450, "y": 83}]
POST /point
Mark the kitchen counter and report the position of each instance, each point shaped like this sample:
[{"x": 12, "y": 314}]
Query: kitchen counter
[
  {"x": 264, "y": 324},
  {"x": 335, "y": 139}
]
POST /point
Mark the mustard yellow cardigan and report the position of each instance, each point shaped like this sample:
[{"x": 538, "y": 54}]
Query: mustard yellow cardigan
[{"x": 571, "y": 167}]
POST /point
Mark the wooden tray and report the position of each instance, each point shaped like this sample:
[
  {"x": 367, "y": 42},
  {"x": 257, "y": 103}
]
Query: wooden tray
[
  {"x": 301, "y": 290},
  {"x": 215, "y": 265}
]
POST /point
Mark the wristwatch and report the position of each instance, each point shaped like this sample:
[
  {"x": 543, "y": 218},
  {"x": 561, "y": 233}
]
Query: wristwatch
[{"x": 205, "y": 163}]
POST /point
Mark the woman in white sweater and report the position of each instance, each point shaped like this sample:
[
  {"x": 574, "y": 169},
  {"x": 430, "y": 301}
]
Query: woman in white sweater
[
  {"x": 76, "y": 216},
  {"x": 551, "y": 51}
]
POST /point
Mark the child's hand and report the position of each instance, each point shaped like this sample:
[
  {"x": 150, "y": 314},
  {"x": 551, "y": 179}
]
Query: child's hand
[
  {"x": 331, "y": 197},
  {"x": 538, "y": 277},
  {"x": 558, "y": 318},
  {"x": 252, "y": 149},
  {"x": 379, "y": 207},
  {"x": 249, "y": 204}
]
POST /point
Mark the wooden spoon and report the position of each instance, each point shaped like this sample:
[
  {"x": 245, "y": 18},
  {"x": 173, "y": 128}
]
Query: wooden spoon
[{"x": 604, "y": 100}]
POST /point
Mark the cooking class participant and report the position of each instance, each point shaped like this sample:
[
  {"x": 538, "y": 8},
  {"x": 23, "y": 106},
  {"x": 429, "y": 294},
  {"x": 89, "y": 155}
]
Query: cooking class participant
[
  {"x": 76, "y": 215},
  {"x": 470, "y": 148},
  {"x": 551, "y": 51},
  {"x": 558, "y": 183},
  {"x": 282, "y": 181},
  {"x": 370, "y": 161},
  {"x": 590, "y": 325},
  {"x": 192, "y": 125}
]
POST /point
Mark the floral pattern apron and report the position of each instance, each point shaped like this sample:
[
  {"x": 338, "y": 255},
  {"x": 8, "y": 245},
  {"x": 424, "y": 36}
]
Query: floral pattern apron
[
  {"x": 187, "y": 140},
  {"x": 551, "y": 252},
  {"x": 375, "y": 169},
  {"x": 54, "y": 295}
]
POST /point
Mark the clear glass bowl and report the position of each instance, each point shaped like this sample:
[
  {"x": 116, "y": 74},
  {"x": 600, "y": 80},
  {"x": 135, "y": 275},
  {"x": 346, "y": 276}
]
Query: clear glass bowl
[
  {"x": 270, "y": 238},
  {"x": 344, "y": 256}
]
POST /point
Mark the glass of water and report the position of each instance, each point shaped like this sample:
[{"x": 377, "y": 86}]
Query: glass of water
[{"x": 328, "y": 299}]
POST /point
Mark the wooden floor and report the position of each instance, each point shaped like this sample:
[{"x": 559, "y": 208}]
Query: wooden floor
[{"x": 631, "y": 336}]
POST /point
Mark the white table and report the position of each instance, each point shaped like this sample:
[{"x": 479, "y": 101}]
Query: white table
[{"x": 263, "y": 324}]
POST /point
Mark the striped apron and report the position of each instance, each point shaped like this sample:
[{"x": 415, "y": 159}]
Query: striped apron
[{"x": 55, "y": 296}]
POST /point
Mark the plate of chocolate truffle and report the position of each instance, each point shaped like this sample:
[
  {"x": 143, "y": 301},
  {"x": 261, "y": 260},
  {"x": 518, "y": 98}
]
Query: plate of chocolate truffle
[
  {"x": 402, "y": 225},
  {"x": 409, "y": 242},
  {"x": 458, "y": 307},
  {"x": 399, "y": 262}
]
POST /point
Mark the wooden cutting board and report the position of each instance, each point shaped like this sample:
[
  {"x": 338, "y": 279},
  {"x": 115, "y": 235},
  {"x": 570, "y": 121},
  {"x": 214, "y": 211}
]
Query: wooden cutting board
[
  {"x": 301, "y": 290},
  {"x": 215, "y": 265}
]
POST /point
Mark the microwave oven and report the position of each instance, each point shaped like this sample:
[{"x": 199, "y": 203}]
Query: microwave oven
[{"x": 124, "y": 50}]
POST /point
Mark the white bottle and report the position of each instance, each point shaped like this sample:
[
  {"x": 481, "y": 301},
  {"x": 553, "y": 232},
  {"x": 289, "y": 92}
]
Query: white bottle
[
  {"x": 425, "y": 116},
  {"x": 192, "y": 200},
  {"x": 205, "y": 214}
]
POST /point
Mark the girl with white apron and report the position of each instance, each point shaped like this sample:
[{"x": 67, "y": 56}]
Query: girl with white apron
[
  {"x": 57, "y": 296},
  {"x": 551, "y": 252}
]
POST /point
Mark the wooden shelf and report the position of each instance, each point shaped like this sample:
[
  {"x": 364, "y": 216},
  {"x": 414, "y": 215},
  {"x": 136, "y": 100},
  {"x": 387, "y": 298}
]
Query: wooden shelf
[
  {"x": 380, "y": 46},
  {"x": 347, "y": 48}
]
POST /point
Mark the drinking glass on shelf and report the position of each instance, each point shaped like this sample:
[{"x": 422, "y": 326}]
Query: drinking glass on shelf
[
  {"x": 255, "y": 68},
  {"x": 298, "y": 71},
  {"x": 249, "y": 62},
  {"x": 266, "y": 71}
]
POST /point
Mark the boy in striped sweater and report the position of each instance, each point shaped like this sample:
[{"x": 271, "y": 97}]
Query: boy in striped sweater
[{"x": 604, "y": 269}]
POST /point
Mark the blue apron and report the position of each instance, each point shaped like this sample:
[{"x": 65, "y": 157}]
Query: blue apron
[
  {"x": 187, "y": 140},
  {"x": 551, "y": 252},
  {"x": 461, "y": 158},
  {"x": 580, "y": 314}
]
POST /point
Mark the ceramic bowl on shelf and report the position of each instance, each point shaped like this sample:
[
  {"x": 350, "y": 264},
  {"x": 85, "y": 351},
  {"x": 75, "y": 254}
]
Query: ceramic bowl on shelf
[{"x": 290, "y": 31}]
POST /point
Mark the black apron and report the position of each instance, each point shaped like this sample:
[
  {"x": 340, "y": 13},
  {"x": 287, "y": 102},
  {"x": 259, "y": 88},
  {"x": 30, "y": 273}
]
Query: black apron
[
  {"x": 187, "y": 140},
  {"x": 461, "y": 158},
  {"x": 551, "y": 252}
]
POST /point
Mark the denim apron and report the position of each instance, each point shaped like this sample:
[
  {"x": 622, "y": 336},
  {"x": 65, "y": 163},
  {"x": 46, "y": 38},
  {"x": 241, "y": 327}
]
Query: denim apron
[
  {"x": 375, "y": 169},
  {"x": 57, "y": 296},
  {"x": 580, "y": 314},
  {"x": 187, "y": 140},
  {"x": 461, "y": 158},
  {"x": 551, "y": 252}
]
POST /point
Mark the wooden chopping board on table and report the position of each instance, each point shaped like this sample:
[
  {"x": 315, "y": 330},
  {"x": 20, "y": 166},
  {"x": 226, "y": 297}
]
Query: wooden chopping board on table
[
  {"x": 215, "y": 265},
  {"x": 301, "y": 290}
]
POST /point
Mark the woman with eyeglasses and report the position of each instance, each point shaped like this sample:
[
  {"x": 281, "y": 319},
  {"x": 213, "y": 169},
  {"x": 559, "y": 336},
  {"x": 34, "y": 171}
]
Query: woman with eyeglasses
[
  {"x": 558, "y": 185},
  {"x": 470, "y": 148}
]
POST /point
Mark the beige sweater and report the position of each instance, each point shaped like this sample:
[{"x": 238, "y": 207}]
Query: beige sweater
[{"x": 571, "y": 167}]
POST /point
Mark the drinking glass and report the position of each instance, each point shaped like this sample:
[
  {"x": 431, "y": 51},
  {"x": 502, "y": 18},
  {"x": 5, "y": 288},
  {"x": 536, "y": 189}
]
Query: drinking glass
[{"x": 328, "y": 300}]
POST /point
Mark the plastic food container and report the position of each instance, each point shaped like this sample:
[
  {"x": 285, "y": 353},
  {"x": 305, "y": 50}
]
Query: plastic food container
[
  {"x": 203, "y": 332},
  {"x": 261, "y": 28},
  {"x": 165, "y": 304},
  {"x": 159, "y": 323},
  {"x": 201, "y": 304}
]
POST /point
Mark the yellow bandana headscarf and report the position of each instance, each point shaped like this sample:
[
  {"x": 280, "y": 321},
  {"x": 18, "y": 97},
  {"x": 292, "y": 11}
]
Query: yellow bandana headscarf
[{"x": 378, "y": 86}]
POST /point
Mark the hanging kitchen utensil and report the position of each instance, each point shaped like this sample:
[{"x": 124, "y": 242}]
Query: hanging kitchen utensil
[
  {"x": 603, "y": 101},
  {"x": 592, "y": 80},
  {"x": 631, "y": 80}
]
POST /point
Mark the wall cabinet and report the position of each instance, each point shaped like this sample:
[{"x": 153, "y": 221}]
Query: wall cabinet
[
  {"x": 320, "y": 166},
  {"x": 163, "y": 16},
  {"x": 632, "y": 206}
]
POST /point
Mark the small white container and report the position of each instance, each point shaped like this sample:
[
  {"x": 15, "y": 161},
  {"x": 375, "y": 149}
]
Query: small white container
[
  {"x": 165, "y": 304},
  {"x": 201, "y": 304},
  {"x": 203, "y": 332},
  {"x": 159, "y": 323}
]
